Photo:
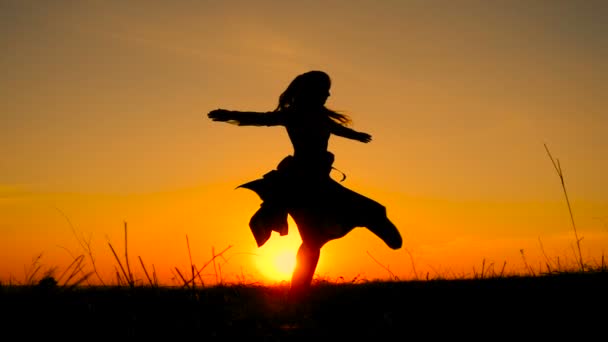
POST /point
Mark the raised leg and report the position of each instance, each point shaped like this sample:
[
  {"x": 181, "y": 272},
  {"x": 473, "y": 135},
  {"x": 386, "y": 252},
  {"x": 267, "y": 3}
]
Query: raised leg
[{"x": 386, "y": 230}]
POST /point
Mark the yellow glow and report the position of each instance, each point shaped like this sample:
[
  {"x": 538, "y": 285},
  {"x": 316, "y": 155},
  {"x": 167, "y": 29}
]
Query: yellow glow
[
  {"x": 277, "y": 265},
  {"x": 276, "y": 260},
  {"x": 285, "y": 262}
]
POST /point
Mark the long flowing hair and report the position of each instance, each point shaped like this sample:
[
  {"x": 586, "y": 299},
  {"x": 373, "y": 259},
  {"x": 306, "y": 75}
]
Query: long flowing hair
[{"x": 306, "y": 84}]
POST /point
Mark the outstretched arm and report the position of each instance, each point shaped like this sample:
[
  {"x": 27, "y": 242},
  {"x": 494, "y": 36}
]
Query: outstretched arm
[
  {"x": 245, "y": 118},
  {"x": 350, "y": 133}
]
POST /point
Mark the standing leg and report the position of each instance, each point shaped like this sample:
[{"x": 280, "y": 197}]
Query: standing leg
[{"x": 306, "y": 264}]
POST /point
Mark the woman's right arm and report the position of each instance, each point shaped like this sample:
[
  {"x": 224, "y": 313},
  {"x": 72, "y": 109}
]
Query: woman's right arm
[{"x": 246, "y": 118}]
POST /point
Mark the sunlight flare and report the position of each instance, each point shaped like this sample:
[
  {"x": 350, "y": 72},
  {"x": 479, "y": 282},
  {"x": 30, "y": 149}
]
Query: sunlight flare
[
  {"x": 277, "y": 264},
  {"x": 276, "y": 260}
]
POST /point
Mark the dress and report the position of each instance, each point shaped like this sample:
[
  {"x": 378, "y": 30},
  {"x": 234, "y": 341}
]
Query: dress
[{"x": 321, "y": 207}]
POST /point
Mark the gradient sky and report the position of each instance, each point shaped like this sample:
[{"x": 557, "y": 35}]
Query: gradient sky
[{"x": 103, "y": 121}]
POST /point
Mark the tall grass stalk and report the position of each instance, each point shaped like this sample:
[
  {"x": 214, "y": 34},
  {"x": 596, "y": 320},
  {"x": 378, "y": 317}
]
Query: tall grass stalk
[
  {"x": 119, "y": 264},
  {"x": 118, "y": 277},
  {"x": 220, "y": 254},
  {"x": 76, "y": 265},
  {"x": 547, "y": 260},
  {"x": 145, "y": 271},
  {"x": 413, "y": 263},
  {"x": 84, "y": 244},
  {"x": 385, "y": 267},
  {"x": 502, "y": 270},
  {"x": 186, "y": 282},
  {"x": 200, "y": 278},
  {"x": 214, "y": 264},
  {"x": 191, "y": 264},
  {"x": 130, "y": 278},
  {"x": 127, "y": 273},
  {"x": 560, "y": 173},
  {"x": 154, "y": 275},
  {"x": 31, "y": 275},
  {"x": 523, "y": 256}
]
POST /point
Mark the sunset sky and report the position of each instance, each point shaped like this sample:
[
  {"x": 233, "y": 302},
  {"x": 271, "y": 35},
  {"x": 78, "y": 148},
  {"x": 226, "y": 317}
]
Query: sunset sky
[{"x": 103, "y": 121}]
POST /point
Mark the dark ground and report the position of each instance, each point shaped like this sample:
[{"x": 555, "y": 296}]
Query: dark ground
[{"x": 491, "y": 309}]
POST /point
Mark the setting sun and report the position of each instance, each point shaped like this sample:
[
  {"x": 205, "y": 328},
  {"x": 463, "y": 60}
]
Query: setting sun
[
  {"x": 276, "y": 260},
  {"x": 285, "y": 262},
  {"x": 278, "y": 265}
]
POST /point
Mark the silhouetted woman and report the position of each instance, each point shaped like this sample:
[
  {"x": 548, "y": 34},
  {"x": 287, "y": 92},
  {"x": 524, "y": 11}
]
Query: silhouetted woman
[{"x": 301, "y": 185}]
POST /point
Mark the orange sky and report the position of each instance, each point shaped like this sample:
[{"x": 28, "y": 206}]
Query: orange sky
[{"x": 102, "y": 119}]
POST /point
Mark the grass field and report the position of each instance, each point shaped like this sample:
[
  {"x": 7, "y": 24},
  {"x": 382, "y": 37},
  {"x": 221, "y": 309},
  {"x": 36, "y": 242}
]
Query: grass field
[{"x": 516, "y": 306}]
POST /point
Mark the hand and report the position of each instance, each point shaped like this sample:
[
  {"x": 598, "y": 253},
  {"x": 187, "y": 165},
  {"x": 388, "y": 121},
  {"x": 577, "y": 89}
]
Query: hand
[
  {"x": 364, "y": 137},
  {"x": 219, "y": 115}
]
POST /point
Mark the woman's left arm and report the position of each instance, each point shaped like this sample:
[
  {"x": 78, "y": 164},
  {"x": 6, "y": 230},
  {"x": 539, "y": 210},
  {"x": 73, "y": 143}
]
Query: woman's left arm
[{"x": 350, "y": 133}]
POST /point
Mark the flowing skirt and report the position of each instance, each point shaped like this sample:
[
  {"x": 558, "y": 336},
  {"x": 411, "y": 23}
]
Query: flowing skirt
[{"x": 322, "y": 208}]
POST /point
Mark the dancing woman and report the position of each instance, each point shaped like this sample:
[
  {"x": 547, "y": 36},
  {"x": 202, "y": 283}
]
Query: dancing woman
[{"x": 301, "y": 186}]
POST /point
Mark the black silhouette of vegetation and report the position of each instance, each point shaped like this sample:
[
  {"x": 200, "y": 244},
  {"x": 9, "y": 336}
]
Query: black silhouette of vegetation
[{"x": 507, "y": 306}]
